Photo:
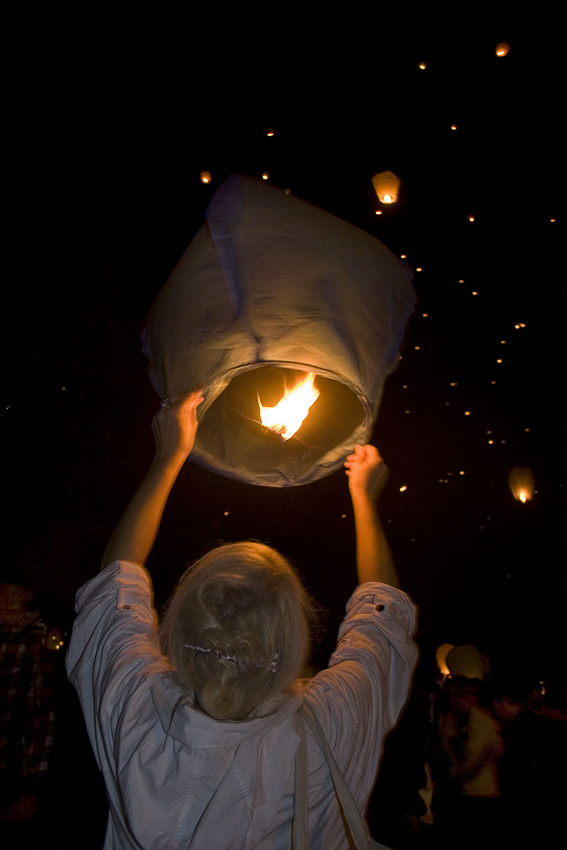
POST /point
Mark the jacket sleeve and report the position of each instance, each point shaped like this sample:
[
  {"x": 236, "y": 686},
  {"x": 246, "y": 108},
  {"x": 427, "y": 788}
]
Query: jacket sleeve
[
  {"x": 114, "y": 642},
  {"x": 359, "y": 698}
]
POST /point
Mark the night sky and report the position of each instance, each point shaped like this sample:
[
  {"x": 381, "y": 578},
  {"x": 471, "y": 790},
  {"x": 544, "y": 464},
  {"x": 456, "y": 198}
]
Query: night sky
[{"x": 107, "y": 138}]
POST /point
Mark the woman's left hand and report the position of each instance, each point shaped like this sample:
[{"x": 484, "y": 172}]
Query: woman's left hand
[{"x": 175, "y": 425}]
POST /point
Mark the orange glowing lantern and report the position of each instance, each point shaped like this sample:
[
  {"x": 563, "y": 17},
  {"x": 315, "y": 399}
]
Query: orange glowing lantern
[
  {"x": 386, "y": 185},
  {"x": 521, "y": 482},
  {"x": 502, "y": 49},
  {"x": 274, "y": 297},
  {"x": 441, "y": 657},
  {"x": 205, "y": 176}
]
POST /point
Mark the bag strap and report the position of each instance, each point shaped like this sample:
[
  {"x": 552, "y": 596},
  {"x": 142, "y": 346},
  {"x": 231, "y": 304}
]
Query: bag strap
[{"x": 356, "y": 825}]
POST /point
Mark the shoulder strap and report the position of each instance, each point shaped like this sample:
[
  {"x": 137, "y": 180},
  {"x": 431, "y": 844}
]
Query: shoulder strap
[{"x": 356, "y": 825}]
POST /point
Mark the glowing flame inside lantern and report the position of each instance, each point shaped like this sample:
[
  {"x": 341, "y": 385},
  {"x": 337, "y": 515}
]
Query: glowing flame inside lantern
[{"x": 287, "y": 416}]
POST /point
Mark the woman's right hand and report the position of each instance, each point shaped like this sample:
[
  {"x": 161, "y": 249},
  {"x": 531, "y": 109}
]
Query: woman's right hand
[
  {"x": 367, "y": 472},
  {"x": 175, "y": 425}
]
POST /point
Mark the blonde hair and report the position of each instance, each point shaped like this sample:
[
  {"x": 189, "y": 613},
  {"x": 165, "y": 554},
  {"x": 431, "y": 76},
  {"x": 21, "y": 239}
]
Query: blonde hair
[{"x": 237, "y": 629}]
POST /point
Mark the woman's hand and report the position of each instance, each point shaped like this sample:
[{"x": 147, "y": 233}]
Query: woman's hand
[
  {"x": 367, "y": 472},
  {"x": 175, "y": 425}
]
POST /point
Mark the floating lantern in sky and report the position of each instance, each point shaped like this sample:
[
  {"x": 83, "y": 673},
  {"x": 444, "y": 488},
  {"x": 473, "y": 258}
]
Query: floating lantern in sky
[
  {"x": 386, "y": 185},
  {"x": 272, "y": 290},
  {"x": 205, "y": 176},
  {"x": 521, "y": 482},
  {"x": 502, "y": 49},
  {"x": 441, "y": 657}
]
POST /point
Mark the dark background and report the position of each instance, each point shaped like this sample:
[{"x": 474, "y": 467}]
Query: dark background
[{"x": 108, "y": 127}]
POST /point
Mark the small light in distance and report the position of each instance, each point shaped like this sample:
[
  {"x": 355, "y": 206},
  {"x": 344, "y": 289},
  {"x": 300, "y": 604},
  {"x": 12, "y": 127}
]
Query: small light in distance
[
  {"x": 205, "y": 176},
  {"x": 403, "y": 488}
]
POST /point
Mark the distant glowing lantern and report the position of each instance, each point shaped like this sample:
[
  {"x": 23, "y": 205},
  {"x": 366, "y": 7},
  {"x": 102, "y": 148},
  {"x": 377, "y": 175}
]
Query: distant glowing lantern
[
  {"x": 441, "y": 657},
  {"x": 386, "y": 185},
  {"x": 521, "y": 482},
  {"x": 502, "y": 49},
  {"x": 274, "y": 294},
  {"x": 205, "y": 176}
]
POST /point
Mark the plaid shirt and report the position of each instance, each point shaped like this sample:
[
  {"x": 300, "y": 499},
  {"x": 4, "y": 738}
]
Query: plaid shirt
[{"x": 26, "y": 700}]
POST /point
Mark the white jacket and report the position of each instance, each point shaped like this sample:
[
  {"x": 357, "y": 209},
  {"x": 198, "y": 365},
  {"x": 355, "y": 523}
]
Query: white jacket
[{"x": 176, "y": 778}]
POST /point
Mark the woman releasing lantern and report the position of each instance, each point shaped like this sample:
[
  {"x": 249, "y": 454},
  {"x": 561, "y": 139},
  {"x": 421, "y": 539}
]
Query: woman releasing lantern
[{"x": 197, "y": 738}]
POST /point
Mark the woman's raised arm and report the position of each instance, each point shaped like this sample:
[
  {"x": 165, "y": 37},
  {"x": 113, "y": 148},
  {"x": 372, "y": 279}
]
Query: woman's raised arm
[
  {"x": 175, "y": 429},
  {"x": 366, "y": 474}
]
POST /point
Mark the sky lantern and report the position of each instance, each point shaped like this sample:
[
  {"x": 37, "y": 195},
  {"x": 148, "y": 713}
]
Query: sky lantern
[
  {"x": 386, "y": 185},
  {"x": 502, "y": 49},
  {"x": 272, "y": 297},
  {"x": 205, "y": 176},
  {"x": 441, "y": 657},
  {"x": 521, "y": 482}
]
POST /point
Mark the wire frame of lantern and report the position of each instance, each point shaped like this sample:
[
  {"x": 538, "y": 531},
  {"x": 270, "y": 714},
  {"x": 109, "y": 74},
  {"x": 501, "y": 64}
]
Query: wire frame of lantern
[
  {"x": 273, "y": 294},
  {"x": 521, "y": 481},
  {"x": 387, "y": 186}
]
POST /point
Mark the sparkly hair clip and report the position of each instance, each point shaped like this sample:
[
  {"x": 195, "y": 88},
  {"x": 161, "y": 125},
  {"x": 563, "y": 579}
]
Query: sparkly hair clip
[
  {"x": 226, "y": 656},
  {"x": 231, "y": 656}
]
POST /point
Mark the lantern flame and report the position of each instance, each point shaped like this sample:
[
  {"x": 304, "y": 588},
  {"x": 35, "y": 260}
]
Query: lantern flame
[
  {"x": 521, "y": 482},
  {"x": 289, "y": 413}
]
